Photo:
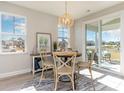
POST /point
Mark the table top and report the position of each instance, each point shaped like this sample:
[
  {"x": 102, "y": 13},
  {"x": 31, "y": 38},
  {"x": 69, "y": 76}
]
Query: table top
[
  {"x": 68, "y": 54},
  {"x": 64, "y": 54}
]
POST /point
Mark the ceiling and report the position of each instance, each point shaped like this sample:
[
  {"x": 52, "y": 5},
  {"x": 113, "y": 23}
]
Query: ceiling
[
  {"x": 77, "y": 9},
  {"x": 107, "y": 25}
]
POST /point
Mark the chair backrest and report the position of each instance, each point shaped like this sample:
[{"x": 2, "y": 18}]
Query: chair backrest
[
  {"x": 43, "y": 55},
  {"x": 68, "y": 62},
  {"x": 92, "y": 57}
]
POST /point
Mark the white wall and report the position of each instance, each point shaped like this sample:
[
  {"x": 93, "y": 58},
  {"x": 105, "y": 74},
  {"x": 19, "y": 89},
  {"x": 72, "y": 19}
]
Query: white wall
[
  {"x": 36, "y": 22},
  {"x": 79, "y": 33}
]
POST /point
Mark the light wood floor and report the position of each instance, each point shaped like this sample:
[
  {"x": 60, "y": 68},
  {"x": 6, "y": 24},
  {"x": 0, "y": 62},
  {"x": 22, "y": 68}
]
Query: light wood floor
[{"x": 16, "y": 82}]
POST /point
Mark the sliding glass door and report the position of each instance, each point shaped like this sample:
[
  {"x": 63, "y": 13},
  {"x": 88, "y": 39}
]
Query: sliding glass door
[
  {"x": 110, "y": 44},
  {"x": 104, "y": 37},
  {"x": 92, "y": 39}
]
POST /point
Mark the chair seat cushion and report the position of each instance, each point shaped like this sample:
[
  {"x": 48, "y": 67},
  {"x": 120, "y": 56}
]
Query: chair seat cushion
[
  {"x": 84, "y": 64},
  {"x": 48, "y": 63},
  {"x": 64, "y": 71}
]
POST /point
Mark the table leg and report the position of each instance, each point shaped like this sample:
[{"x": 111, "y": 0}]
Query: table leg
[
  {"x": 75, "y": 81},
  {"x": 33, "y": 69}
]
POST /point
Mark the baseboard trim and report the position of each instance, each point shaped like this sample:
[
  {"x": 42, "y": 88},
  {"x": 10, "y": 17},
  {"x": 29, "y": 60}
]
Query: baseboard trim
[{"x": 10, "y": 74}]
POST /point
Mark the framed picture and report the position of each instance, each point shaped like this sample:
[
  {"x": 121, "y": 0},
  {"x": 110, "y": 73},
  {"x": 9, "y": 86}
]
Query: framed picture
[{"x": 44, "y": 40}]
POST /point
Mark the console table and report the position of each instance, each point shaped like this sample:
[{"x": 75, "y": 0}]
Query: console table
[{"x": 36, "y": 55}]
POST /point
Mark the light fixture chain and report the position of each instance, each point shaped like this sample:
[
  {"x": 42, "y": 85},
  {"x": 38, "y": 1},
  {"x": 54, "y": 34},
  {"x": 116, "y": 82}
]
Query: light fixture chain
[
  {"x": 66, "y": 20},
  {"x": 65, "y": 6}
]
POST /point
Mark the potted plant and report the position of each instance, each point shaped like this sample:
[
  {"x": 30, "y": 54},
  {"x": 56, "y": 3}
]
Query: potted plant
[{"x": 55, "y": 45}]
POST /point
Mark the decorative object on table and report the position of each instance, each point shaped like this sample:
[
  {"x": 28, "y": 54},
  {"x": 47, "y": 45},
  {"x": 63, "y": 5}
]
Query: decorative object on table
[
  {"x": 66, "y": 19},
  {"x": 63, "y": 44},
  {"x": 55, "y": 45},
  {"x": 44, "y": 41}
]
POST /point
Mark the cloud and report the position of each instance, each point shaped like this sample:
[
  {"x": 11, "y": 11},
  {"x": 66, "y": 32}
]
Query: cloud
[{"x": 111, "y": 35}]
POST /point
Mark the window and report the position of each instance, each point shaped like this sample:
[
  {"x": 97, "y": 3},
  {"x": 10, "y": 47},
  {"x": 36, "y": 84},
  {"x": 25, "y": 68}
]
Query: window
[
  {"x": 12, "y": 34},
  {"x": 64, "y": 33}
]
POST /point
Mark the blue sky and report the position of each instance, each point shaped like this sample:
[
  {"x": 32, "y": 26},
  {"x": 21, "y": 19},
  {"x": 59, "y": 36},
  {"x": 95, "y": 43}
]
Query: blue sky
[
  {"x": 11, "y": 25},
  {"x": 110, "y": 35},
  {"x": 7, "y": 24}
]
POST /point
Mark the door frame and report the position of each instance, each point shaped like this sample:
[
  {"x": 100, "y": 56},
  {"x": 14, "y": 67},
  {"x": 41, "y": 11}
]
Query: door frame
[{"x": 119, "y": 14}]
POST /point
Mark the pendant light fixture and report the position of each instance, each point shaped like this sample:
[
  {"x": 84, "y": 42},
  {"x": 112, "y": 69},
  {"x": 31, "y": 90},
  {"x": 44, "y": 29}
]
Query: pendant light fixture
[{"x": 66, "y": 20}]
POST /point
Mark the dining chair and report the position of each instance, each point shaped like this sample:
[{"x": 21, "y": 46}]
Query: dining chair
[
  {"x": 87, "y": 65},
  {"x": 45, "y": 63},
  {"x": 64, "y": 67}
]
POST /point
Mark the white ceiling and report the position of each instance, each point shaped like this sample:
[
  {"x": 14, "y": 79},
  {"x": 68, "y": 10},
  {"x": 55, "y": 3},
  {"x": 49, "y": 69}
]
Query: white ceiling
[{"x": 77, "y": 9}]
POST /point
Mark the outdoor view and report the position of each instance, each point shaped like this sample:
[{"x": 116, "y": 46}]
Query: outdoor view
[
  {"x": 111, "y": 44},
  {"x": 12, "y": 34},
  {"x": 63, "y": 37},
  {"x": 111, "y": 40},
  {"x": 92, "y": 40},
  {"x": 106, "y": 43}
]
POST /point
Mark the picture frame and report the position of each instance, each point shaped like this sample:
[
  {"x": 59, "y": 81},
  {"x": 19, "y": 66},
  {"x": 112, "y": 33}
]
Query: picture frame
[{"x": 43, "y": 40}]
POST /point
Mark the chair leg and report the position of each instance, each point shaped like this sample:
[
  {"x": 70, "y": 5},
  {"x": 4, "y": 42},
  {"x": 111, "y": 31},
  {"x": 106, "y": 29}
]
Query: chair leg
[
  {"x": 45, "y": 76},
  {"x": 42, "y": 74},
  {"x": 90, "y": 70},
  {"x": 56, "y": 81},
  {"x": 54, "y": 77},
  {"x": 73, "y": 85},
  {"x": 54, "y": 74},
  {"x": 78, "y": 72},
  {"x": 72, "y": 80},
  {"x": 75, "y": 82}
]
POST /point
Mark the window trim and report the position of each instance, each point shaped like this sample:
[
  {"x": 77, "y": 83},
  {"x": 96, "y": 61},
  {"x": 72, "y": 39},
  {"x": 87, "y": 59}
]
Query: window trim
[
  {"x": 25, "y": 36},
  {"x": 68, "y": 37}
]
